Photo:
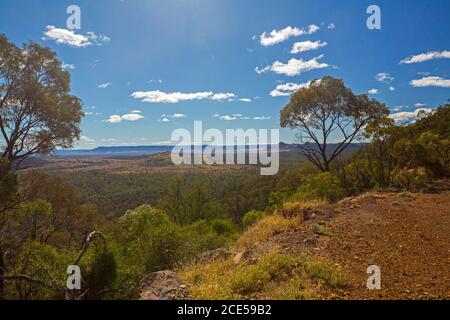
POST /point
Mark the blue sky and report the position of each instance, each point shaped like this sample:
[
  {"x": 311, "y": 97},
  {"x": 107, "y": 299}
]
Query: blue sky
[{"x": 208, "y": 50}]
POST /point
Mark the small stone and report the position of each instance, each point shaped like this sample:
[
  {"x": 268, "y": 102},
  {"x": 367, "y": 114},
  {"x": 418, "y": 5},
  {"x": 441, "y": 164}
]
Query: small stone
[{"x": 237, "y": 258}]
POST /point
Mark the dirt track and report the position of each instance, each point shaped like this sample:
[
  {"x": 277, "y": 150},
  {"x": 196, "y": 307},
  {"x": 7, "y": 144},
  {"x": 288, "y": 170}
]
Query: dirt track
[{"x": 407, "y": 236}]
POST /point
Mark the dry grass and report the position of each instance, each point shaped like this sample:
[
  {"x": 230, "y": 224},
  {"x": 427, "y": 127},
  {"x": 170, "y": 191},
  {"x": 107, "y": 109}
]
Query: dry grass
[
  {"x": 291, "y": 209},
  {"x": 267, "y": 227},
  {"x": 290, "y": 216},
  {"x": 273, "y": 276}
]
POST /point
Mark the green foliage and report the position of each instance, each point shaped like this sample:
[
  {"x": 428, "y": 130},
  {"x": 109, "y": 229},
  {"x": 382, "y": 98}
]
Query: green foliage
[
  {"x": 253, "y": 278},
  {"x": 412, "y": 179},
  {"x": 320, "y": 270},
  {"x": 272, "y": 276},
  {"x": 324, "y": 107},
  {"x": 252, "y": 217},
  {"x": 224, "y": 227},
  {"x": 321, "y": 230},
  {"x": 101, "y": 273},
  {"x": 291, "y": 179},
  {"x": 151, "y": 240},
  {"x": 228, "y": 194},
  {"x": 37, "y": 111},
  {"x": 42, "y": 262},
  {"x": 323, "y": 186}
]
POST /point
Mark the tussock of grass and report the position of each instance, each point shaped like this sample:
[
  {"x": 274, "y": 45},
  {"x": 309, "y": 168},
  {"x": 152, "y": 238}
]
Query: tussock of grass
[
  {"x": 291, "y": 209},
  {"x": 325, "y": 272},
  {"x": 267, "y": 227},
  {"x": 322, "y": 230},
  {"x": 273, "y": 276}
]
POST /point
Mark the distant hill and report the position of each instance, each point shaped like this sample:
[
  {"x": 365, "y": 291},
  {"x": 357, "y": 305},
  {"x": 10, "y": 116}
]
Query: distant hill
[
  {"x": 118, "y": 151},
  {"x": 138, "y": 151}
]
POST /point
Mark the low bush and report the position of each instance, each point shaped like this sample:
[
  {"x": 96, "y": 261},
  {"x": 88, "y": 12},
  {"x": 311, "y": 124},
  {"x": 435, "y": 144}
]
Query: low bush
[{"x": 251, "y": 218}]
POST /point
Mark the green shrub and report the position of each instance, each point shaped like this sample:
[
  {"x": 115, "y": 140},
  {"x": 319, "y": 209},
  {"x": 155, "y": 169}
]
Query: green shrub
[
  {"x": 102, "y": 272},
  {"x": 253, "y": 278},
  {"x": 320, "y": 270},
  {"x": 224, "y": 227},
  {"x": 412, "y": 179},
  {"x": 323, "y": 186},
  {"x": 252, "y": 217}
]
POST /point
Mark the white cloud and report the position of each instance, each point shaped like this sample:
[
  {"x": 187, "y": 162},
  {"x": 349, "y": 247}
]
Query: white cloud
[
  {"x": 245, "y": 100},
  {"x": 132, "y": 117},
  {"x": 426, "y": 57},
  {"x": 391, "y": 88},
  {"x": 69, "y": 37},
  {"x": 286, "y": 89},
  {"x": 431, "y": 82},
  {"x": 238, "y": 116},
  {"x": 294, "y": 67},
  {"x": 307, "y": 46},
  {"x": 155, "y": 81},
  {"x": 215, "y": 115},
  {"x": 331, "y": 26},
  {"x": 259, "y": 70},
  {"x": 223, "y": 96},
  {"x": 86, "y": 139},
  {"x": 104, "y": 85},
  {"x": 68, "y": 66},
  {"x": 398, "y": 108},
  {"x": 175, "y": 97},
  {"x": 419, "y": 105},
  {"x": 373, "y": 91},
  {"x": 277, "y": 36},
  {"x": 407, "y": 116},
  {"x": 136, "y": 111},
  {"x": 167, "y": 117},
  {"x": 179, "y": 116},
  {"x": 115, "y": 118},
  {"x": 228, "y": 118},
  {"x": 384, "y": 77},
  {"x": 90, "y": 113}
]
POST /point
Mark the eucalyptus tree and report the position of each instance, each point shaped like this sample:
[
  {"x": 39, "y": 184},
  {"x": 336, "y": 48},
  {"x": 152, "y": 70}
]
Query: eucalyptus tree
[{"x": 327, "y": 109}]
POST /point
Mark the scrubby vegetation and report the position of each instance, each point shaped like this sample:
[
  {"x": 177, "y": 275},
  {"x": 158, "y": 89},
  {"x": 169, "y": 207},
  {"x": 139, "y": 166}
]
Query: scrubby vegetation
[
  {"x": 120, "y": 227},
  {"x": 273, "y": 276}
]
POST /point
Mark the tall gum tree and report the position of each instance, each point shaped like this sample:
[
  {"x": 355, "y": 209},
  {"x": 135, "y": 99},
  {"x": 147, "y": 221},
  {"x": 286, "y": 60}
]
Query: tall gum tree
[
  {"x": 37, "y": 115},
  {"x": 37, "y": 112},
  {"x": 326, "y": 109}
]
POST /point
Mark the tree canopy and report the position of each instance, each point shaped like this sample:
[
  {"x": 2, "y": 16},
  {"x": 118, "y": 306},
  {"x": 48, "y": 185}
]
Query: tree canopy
[
  {"x": 37, "y": 111},
  {"x": 324, "y": 109}
]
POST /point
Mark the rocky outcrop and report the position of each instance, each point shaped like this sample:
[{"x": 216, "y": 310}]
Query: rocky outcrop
[
  {"x": 213, "y": 255},
  {"x": 163, "y": 285}
]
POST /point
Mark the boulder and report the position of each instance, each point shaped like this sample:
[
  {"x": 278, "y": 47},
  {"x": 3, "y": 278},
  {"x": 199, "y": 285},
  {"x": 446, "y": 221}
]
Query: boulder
[
  {"x": 213, "y": 255},
  {"x": 163, "y": 285}
]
